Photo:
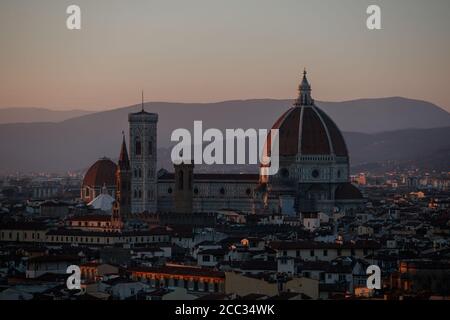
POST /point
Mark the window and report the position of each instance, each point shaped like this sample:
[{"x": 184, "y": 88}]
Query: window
[
  {"x": 297, "y": 253},
  {"x": 325, "y": 252},
  {"x": 284, "y": 173},
  {"x": 352, "y": 251},
  {"x": 169, "y": 191},
  {"x": 315, "y": 173},
  {"x": 206, "y": 258},
  {"x": 180, "y": 181},
  {"x": 222, "y": 191},
  {"x": 311, "y": 253},
  {"x": 137, "y": 147}
]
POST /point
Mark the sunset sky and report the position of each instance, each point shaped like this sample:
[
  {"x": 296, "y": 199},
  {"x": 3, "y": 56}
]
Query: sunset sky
[{"x": 211, "y": 50}]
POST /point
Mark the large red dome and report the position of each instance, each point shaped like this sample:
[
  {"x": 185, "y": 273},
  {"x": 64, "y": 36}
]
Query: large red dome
[
  {"x": 100, "y": 173},
  {"x": 306, "y": 130}
]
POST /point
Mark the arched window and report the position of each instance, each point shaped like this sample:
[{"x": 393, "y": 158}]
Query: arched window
[
  {"x": 180, "y": 181},
  {"x": 138, "y": 147}
]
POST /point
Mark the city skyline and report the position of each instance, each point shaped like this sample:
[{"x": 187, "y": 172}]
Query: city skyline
[
  {"x": 259, "y": 154},
  {"x": 247, "y": 51}
]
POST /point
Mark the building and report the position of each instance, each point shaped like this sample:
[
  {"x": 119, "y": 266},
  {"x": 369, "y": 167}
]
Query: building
[
  {"x": 313, "y": 175},
  {"x": 41, "y": 265},
  {"x": 314, "y": 161},
  {"x": 143, "y": 158},
  {"x": 195, "y": 279},
  {"x": 93, "y": 222},
  {"x": 23, "y": 232}
]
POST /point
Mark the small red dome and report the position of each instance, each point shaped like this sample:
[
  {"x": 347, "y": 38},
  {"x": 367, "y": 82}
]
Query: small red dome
[{"x": 100, "y": 173}]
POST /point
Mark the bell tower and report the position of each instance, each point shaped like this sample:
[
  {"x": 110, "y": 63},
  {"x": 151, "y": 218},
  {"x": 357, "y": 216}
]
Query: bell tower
[{"x": 143, "y": 157}]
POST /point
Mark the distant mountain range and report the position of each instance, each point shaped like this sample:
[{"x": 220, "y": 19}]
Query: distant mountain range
[
  {"x": 29, "y": 115},
  {"x": 378, "y": 130}
]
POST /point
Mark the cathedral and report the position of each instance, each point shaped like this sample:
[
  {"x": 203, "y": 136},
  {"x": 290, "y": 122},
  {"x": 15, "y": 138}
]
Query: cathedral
[{"x": 313, "y": 175}]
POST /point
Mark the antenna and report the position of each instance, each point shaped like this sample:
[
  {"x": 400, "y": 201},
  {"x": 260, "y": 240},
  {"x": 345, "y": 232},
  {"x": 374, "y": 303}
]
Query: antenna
[{"x": 142, "y": 100}]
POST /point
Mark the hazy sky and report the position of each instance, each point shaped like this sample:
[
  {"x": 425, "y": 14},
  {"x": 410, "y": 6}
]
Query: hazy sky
[{"x": 211, "y": 50}]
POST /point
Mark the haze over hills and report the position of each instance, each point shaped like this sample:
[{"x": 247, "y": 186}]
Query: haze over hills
[
  {"x": 76, "y": 143},
  {"x": 28, "y": 115}
]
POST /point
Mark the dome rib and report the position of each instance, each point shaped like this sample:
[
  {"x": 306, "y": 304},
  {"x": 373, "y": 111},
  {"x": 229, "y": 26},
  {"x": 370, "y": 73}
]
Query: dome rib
[{"x": 330, "y": 143}]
